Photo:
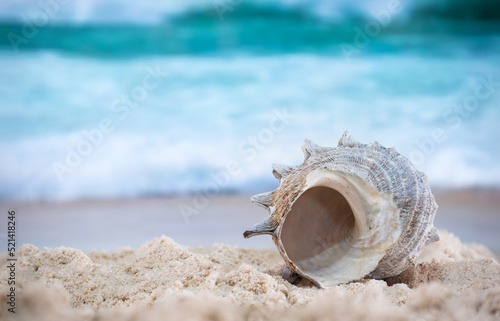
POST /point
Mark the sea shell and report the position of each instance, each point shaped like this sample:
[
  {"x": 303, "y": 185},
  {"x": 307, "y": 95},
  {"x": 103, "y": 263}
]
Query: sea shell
[{"x": 347, "y": 213}]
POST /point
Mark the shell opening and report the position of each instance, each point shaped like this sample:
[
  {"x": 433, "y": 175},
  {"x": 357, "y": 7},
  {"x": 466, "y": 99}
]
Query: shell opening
[
  {"x": 319, "y": 227},
  {"x": 334, "y": 232}
]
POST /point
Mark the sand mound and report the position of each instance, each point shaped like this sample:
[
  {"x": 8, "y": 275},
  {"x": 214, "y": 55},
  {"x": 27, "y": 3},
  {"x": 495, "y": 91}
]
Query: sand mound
[{"x": 163, "y": 280}]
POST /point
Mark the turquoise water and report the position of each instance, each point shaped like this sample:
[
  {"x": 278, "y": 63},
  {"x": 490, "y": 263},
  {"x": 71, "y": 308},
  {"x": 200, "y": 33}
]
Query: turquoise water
[{"x": 158, "y": 99}]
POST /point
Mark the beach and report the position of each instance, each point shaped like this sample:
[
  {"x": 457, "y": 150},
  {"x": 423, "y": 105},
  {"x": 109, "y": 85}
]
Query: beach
[
  {"x": 133, "y": 134},
  {"x": 203, "y": 269}
]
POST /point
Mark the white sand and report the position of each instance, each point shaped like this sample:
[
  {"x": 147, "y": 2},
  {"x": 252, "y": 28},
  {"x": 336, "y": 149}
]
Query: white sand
[{"x": 163, "y": 280}]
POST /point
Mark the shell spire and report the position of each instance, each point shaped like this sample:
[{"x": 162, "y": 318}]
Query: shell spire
[{"x": 348, "y": 213}]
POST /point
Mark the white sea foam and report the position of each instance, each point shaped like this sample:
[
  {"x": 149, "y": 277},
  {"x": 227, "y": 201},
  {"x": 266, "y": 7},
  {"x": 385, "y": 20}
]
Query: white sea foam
[{"x": 205, "y": 112}]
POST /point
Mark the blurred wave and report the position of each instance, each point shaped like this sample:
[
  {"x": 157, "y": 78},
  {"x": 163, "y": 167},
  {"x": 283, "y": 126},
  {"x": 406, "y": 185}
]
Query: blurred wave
[
  {"x": 208, "y": 111},
  {"x": 458, "y": 10},
  {"x": 157, "y": 12},
  {"x": 250, "y": 27},
  {"x": 225, "y": 76}
]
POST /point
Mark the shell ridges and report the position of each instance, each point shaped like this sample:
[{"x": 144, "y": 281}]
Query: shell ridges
[
  {"x": 393, "y": 152},
  {"x": 423, "y": 176},
  {"x": 347, "y": 213}
]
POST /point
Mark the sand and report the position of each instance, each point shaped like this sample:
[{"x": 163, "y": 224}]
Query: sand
[{"x": 164, "y": 280}]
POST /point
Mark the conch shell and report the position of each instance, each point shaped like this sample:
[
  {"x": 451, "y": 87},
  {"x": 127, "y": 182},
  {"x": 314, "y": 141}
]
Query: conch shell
[{"x": 348, "y": 213}]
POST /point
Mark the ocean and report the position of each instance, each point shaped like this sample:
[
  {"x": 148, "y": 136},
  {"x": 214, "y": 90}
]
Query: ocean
[{"x": 111, "y": 99}]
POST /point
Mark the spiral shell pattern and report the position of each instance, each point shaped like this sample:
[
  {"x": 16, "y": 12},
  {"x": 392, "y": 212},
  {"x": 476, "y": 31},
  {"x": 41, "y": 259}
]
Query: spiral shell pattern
[{"x": 348, "y": 212}]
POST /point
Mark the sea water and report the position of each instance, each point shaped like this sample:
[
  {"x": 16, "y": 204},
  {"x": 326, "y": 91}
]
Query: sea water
[{"x": 169, "y": 99}]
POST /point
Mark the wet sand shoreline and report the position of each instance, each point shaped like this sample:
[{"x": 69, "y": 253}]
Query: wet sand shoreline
[{"x": 471, "y": 214}]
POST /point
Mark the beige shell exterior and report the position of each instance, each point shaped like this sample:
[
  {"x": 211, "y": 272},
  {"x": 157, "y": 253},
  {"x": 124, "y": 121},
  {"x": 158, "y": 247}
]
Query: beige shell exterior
[{"x": 392, "y": 209}]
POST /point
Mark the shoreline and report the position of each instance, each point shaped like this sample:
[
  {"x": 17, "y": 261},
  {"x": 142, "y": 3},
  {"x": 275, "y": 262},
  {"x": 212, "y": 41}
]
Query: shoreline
[{"x": 471, "y": 214}]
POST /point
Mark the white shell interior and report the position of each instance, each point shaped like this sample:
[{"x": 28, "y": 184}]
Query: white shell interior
[{"x": 339, "y": 228}]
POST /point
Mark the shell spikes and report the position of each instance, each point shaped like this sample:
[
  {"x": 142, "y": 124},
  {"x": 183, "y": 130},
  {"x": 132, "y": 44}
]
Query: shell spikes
[
  {"x": 265, "y": 199},
  {"x": 280, "y": 171},
  {"x": 347, "y": 141},
  {"x": 266, "y": 226},
  {"x": 309, "y": 148},
  {"x": 347, "y": 213}
]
